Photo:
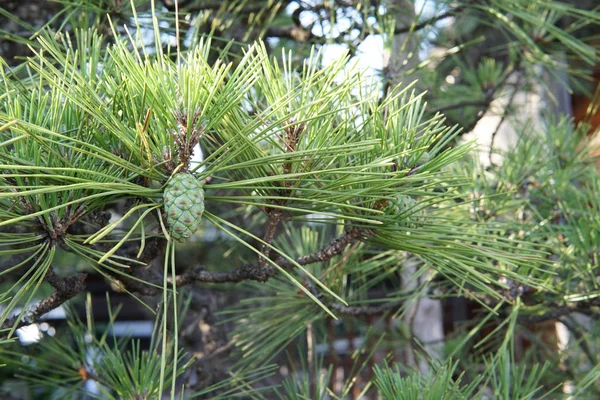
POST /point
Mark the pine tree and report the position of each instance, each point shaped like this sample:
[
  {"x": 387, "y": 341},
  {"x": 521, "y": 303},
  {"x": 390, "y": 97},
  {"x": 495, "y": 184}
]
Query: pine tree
[{"x": 262, "y": 205}]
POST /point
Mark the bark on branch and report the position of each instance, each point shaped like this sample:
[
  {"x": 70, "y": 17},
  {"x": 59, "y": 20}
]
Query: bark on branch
[
  {"x": 336, "y": 247},
  {"x": 430, "y": 21},
  {"x": 366, "y": 310},
  {"x": 66, "y": 288},
  {"x": 252, "y": 272}
]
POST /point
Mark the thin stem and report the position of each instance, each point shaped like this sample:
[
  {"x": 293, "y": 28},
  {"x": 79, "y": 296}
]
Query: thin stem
[
  {"x": 579, "y": 335},
  {"x": 430, "y": 21},
  {"x": 466, "y": 103},
  {"x": 336, "y": 247},
  {"x": 504, "y": 115},
  {"x": 356, "y": 311}
]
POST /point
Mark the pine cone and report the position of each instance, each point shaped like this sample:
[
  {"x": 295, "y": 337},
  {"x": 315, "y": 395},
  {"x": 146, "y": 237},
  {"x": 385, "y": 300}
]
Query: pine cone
[
  {"x": 406, "y": 208},
  {"x": 184, "y": 205}
]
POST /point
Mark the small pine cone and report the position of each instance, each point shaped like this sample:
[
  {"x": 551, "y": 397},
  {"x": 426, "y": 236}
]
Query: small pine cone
[
  {"x": 184, "y": 205},
  {"x": 406, "y": 208},
  {"x": 424, "y": 159}
]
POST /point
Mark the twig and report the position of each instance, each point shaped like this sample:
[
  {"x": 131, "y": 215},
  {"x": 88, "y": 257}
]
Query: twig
[
  {"x": 411, "y": 321},
  {"x": 248, "y": 272},
  {"x": 510, "y": 101},
  {"x": 66, "y": 288},
  {"x": 293, "y": 132},
  {"x": 490, "y": 93},
  {"x": 554, "y": 313},
  {"x": 219, "y": 351},
  {"x": 252, "y": 272},
  {"x": 365, "y": 310},
  {"x": 432, "y": 20},
  {"x": 467, "y": 103},
  {"x": 332, "y": 354},
  {"x": 573, "y": 327},
  {"x": 274, "y": 218},
  {"x": 336, "y": 246},
  {"x": 310, "y": 354}
]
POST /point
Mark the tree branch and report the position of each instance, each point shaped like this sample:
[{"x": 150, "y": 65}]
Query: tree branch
[
  {"x": 244, "y": 273},
  {"x": 66, "y": 288},
  {"x": 430, "y": 21},
  {"x": 252, "y": 272},
  {"x": 467, "y": 103},
  {"x": 293, "y": 132},
  {"x": 290, "y": 32},
  {"x": 274, "y": 218},
  {"x": 365, "y": 310},
  {"x": 484, "y": 105},
  {"x": 504, "y": 115},
  {"x": 334, "y": 248},
  {"x": 555, "y": 311}
]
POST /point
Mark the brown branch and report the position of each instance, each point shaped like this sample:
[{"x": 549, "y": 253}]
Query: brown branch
[
  {"x": 252, "y": 272},
  {"x": 504, "y": 115},
  {"x": 66, "y": 288},
  {"x": 248, "y": 272},
  {"x": 334, "y": 248},
  {"x": 274, "y": 218},
  {"x": 293, "y": 32},
  {"x": 556, "y": 311},
  {"x": 430, "y": 21},
  {"x": 365, "y": 310},
  {"x": 293, "y": 132},
  {"x": 467, "y": 103}
]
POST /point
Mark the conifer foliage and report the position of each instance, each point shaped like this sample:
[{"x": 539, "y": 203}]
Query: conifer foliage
[{"x": 311, "y": 186}]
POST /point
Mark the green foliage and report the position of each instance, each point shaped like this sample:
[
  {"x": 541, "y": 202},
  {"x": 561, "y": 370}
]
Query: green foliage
[
  {"x": 119, "y": 368},
  {"x": 441, "y": 385},
  {"x": 320, "y": 187}
]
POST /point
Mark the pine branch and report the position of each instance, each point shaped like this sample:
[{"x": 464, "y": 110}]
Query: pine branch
[
  {"x": 504, "y": 115},
  {"x": 336, "y": 247},
  {"x": 66, "y": 288},
  {"x": 252, "y": 272},
  {"x": 292, "y": 135},
  {"x": 246, "y": 272},
  {"x": 274, "y": 218},
  {"x": 484, "y": 104},
  {"x": 556, "y": 311},
  {"x": 467, "y": 103},
  {"x": 430, "y": 21},
  {"x": 365, "y": 310}
]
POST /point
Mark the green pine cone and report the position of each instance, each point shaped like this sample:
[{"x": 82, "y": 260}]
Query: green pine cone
[
  {"x": 424, "y": 159},
  {"x": 407, "y": 209},
  {"x": 184, "y": 205}
]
